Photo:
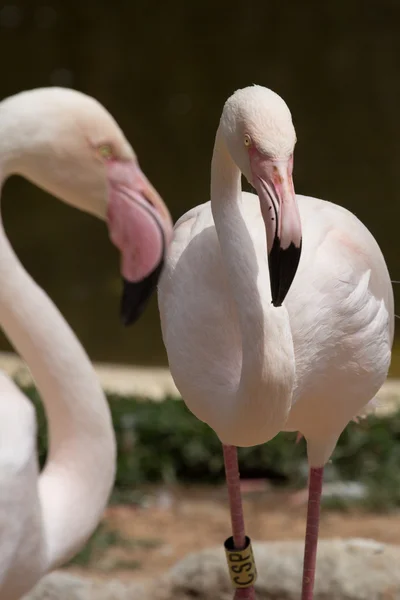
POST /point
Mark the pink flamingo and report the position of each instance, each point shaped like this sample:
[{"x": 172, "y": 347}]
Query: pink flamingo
[
  {"x": 276, "y": 309},
  {"x": 69, "y": 145}
]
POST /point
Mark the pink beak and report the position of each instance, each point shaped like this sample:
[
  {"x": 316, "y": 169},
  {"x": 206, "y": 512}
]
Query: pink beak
[
  {"x": 272, "y": 179},
  {"x": 141, "y": 227}
]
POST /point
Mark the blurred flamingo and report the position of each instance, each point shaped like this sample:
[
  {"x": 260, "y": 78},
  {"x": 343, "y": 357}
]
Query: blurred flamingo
[{"x": 68, "y": 144}]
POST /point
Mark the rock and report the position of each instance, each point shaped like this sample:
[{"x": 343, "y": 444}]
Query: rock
[
  {"x": 64, "y": 586},
  {"x": 345, "y": 490},
  {"x": 60, "y": 586},
  {"x": 347, "y": 570},
  {"x": 355, "y": 569}
]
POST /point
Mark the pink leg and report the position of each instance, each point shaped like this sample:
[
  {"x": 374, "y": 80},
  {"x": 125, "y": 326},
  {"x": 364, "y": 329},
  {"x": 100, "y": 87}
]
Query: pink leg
[
  {"x": 310, "y": 549},
  {"x": 236, "y": 508}
]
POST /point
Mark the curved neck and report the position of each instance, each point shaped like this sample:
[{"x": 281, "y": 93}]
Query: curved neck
[
  {"x": 262, "y": 399},
  {"x": 78, "y": 477}
]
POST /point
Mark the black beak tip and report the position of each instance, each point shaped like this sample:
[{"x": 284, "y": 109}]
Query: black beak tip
[
  {"x": 135, "y": 296},
  {"x": 132, "y": 303},
  {"x": 276, "y": 302},
  {"x": 127, "y": 317},
  {"x": 277, "y": 293},
  {"x": 283, "y": 264}
]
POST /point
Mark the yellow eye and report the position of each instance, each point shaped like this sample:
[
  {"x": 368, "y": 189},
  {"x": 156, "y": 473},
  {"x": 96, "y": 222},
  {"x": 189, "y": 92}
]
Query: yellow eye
[
  {"x": 105, "y": 152},
  {"x": 247, "y": 140}
]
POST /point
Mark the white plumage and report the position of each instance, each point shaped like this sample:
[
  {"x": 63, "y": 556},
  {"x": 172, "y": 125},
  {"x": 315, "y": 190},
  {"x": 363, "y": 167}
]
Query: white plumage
[
  {"x": 339, "y": 312},
  {"x": 245, "y": 367}
]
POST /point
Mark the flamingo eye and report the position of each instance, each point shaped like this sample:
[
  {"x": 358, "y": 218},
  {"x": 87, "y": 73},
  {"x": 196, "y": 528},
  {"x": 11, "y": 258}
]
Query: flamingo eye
[
  {"x": 247, "y": 140},
  {"x": 105, "y": 152}
]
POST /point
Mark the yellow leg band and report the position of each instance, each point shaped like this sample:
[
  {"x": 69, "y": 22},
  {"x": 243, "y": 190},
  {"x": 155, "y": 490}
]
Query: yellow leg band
[{"x": 241, "y": 565}]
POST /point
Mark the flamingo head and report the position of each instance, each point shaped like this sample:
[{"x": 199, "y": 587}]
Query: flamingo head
[
  {"x": 260, "y": 136},
  {"x": 68, "y": 144}
]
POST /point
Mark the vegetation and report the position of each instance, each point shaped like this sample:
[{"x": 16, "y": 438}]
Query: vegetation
[{"x": 163, "y": 442}]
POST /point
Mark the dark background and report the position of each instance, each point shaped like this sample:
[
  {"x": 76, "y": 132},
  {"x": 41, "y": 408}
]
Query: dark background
[{"x": 164, "y": 71}]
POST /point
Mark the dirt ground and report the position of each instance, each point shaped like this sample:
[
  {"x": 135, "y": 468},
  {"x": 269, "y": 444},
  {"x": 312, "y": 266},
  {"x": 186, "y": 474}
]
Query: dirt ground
[{"x": 145, "y": 540}]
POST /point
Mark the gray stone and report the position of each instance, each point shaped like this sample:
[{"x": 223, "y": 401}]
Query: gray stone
[
  {"x": 345, "y": 490},
  {"x": 347, "y": 570},
  {"x": 60, "y": 586},
  {"x": 64, "y": 586}
]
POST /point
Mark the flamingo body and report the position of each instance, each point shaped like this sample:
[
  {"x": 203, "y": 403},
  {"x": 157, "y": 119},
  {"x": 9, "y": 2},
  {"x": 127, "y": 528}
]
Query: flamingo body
[
  {"x": 276, "y": 309},
  {"x": 340, "y": 308}
]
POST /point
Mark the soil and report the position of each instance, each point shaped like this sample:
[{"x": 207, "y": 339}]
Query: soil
[{"x": 146, "y": 540}]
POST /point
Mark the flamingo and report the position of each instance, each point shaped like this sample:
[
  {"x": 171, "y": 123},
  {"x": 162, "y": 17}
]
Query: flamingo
[
  {"x": 68, "y": 144},
  {"x": 276, "y": 309}
]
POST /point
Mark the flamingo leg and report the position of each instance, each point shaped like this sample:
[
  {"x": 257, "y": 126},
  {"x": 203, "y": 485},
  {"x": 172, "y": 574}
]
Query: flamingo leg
[
  {"x": 236, "y": 510},
  {"x": 311, "y": 541}
]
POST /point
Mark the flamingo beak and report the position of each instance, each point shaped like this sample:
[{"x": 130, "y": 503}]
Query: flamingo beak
[
  {"x": 141, "y": 227},
  {"x": 272, "y": 179}
]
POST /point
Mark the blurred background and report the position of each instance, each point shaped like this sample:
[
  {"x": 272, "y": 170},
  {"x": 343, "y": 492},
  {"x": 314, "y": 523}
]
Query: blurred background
[{"x": 164, "y": 70}]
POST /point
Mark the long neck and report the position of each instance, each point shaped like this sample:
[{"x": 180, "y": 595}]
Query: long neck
[
  {"x": 259, "y": 406},
  {"x": 77, "y": 479}
]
